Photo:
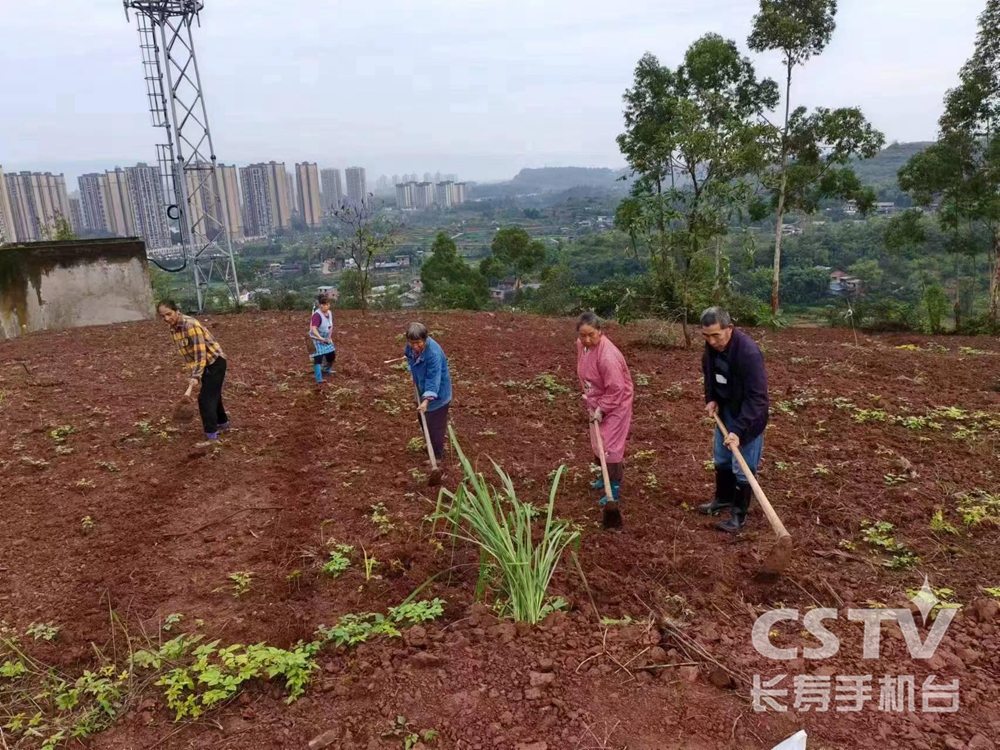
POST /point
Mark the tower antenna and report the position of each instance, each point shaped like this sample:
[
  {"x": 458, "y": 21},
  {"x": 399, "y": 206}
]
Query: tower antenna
[{"x": 185, "y": 155}]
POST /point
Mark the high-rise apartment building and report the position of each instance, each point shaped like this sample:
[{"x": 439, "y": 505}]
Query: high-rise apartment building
[
  {"x": 423, "y": 195},
  {"x": 444, "y": 194},
  {"x": 265, "y": 199},
  {"x": 357, "y": 186},
  {"x": 427, "y": 194},
  {"x": 290, "y": 184},
  {"x": 7, "y": 233},
  {"x": 94, "y": 202},
  {"x": 229, "y": 192},
  {"x": 224, "y": 190},
  {"x": 149, "y": 210},
  {"x": 256, "y": 201},
  {"x": 404, "y": 195},
  {"x": 119, "y": 202},
  {"x": 395, "y": 179},
  {"x": 333, "y": 189},
  {"x": 36, "y": 200},
  {"x": 307, "y": 189},
  {"x": 280, "y": 185},
  {"x": 76, "y": 215}
]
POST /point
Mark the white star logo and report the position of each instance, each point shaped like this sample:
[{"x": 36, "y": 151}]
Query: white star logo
[{"x": 925, "y": 599}]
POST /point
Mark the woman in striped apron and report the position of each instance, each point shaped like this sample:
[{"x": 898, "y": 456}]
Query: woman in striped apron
[{"x": 321, "y": 333}]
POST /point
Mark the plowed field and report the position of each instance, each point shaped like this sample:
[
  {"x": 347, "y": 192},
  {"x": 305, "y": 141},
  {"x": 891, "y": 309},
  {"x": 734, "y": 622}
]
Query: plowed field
[{"x": 865, "y": 432}]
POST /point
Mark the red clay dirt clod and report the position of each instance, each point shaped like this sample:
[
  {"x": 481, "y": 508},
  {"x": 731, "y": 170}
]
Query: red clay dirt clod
[{"x": 184, "y": 410}]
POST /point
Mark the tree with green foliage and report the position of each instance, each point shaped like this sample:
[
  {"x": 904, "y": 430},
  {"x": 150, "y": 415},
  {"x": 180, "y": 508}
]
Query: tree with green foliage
[
  {"x": 814, "y": 151},
  {"x": 63, "y": 229},
  {"x": 449, "y": 282},
  {"x": 514, "y": 252},
  {"x": 962, "y": 169},
  {"x": 349, "y": 290},
  {"x": 59, "y": 230},
  {"x": 868, "y": 270},
  {"x": 692, "y": 139},
  {"x": 557, "y": 295}
]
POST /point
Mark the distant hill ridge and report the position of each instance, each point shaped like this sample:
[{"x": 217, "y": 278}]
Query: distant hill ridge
[
  {"x": 882, "y": 170},
  {"x": 563, "y": 178}
]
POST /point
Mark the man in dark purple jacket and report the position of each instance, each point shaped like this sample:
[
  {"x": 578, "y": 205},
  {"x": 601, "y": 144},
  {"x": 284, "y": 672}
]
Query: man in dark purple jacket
[{"x": 736, "y": 390}]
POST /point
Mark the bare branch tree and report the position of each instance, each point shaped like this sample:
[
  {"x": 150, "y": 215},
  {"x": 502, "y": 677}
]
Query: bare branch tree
[{"x": 366, "y": 234}]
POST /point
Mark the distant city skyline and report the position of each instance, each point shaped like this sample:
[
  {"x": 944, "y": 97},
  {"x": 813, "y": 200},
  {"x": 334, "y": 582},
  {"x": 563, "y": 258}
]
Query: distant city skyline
[
  {"x": 255, "y": 200},
  {"x": 455, "y": 88}
]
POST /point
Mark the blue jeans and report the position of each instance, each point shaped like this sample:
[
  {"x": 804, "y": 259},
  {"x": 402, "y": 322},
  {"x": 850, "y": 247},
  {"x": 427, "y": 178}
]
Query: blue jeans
[{"x": 751, "y": 451}]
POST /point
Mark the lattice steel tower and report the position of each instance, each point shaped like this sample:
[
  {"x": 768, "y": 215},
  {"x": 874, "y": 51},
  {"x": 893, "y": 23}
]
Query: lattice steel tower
[{"x": 185, "y": 155}]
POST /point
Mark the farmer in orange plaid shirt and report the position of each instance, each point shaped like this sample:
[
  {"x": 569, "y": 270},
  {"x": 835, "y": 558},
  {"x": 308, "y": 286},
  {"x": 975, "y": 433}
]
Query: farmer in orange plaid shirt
[{"x": 204, "y": 362}]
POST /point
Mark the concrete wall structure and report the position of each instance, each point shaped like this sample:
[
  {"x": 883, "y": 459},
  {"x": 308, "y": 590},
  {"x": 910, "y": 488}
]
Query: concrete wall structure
[{"x": 56, "y": 285}]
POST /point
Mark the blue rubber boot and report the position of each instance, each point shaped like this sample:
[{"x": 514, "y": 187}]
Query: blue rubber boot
[
  {"x": 597, "y": 484},
  {"x": 319, "y": 373},
  {"x": 616, "y": 488},
  {"x": 211, "y": 436}
]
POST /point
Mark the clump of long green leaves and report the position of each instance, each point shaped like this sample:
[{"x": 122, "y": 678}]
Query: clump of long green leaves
[{"x": 501, "y": 526}]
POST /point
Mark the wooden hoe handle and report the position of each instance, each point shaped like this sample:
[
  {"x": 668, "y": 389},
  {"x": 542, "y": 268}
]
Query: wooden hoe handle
[
  {"x": 427, "y": 433},
  {"x": 604, "y": 463},
  {"x": 772, "y": 517}
]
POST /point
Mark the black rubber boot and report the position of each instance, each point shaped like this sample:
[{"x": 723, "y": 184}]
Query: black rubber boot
[
  {"x": 738, "y": 513},
  {"x": 725, "y": 486}
]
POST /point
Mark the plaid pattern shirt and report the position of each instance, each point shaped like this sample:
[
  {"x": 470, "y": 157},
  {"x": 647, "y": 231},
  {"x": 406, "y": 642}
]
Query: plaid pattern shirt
[{"x": 198, "y": 347}]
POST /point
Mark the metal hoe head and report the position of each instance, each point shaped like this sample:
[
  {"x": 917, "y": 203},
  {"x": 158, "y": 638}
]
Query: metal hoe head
[{"x": 779, "y": 557}]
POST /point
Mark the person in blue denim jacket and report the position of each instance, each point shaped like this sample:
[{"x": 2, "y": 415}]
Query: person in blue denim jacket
[{"x": 429, "y": 368}]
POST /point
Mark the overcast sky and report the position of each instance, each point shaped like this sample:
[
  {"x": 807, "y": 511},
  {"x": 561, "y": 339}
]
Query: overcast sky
[{"x": 481, "y": 88}]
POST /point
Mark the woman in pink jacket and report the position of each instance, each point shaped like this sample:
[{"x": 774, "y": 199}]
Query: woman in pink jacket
[{"x": 607, "y": 392}]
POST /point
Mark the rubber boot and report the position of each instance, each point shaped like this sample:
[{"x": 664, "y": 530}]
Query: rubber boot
[
  {"x": 738, "y": 514},
  {"x": 725, "y": 487},
  {"x": 319, "y": 373}
]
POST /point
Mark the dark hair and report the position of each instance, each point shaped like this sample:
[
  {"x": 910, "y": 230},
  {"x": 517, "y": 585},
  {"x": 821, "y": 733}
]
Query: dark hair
[
  {"x": 588, "y": 319},
  {"x": 167, "y": 303},
  {"x": 416, "y": 332},
  {"x": 323, "y": 299},
  {"x": 714, "y": 315}
]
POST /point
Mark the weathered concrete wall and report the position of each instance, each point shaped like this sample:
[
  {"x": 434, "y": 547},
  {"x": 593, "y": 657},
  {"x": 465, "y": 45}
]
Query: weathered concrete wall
[{"x": 51, "y": 285}]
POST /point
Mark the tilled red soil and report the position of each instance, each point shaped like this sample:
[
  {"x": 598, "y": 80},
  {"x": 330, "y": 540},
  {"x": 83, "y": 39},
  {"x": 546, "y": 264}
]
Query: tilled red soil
[{"x": 303, "y": 466}]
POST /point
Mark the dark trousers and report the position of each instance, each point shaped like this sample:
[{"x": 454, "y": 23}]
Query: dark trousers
[
  {"x": 210, "y": 399},
  {"x": 437, "y": 426},
  {"x": 330, "y": 359},
  {"x": 616, "y": 472}
]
